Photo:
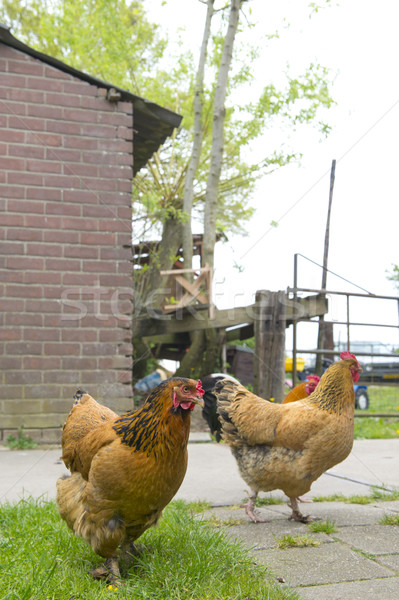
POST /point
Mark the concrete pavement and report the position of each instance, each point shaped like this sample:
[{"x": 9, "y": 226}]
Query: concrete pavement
[{"x": 359, "y": 561}]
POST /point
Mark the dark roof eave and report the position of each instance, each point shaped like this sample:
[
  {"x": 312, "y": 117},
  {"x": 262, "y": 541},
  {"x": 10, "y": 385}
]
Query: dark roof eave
[{"x": 152, "y": 123}]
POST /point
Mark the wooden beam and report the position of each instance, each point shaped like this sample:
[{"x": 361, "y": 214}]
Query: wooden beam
[{"x": 157, "y": 324}]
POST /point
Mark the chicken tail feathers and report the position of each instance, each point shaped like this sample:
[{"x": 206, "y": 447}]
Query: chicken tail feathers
[
  {"x": 225, "y": 391},
  {"x": 70, "y": 490}
]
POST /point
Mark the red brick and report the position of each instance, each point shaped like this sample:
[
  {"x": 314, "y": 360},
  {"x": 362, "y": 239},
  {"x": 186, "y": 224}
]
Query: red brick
[
  {"x": 118, "y": 253},
  {"x": 12, "y": 163},
  {"x": 125, "y": 133},
  {"x": 26, "y": 206},
  {"x": 13, "y": 81},
  {"x": 22, "y": 377},
  {"x": 112, "y": 225},
  {"x": 79, "y": 279},
  {"x": 13, "y": 109},
  {"x": 100, "y": 158},
  {"x": 62, "y": 377},
  {"x": 97, "y": 349},
  {"x": 82, "y": 143},
  {"x": 23, "y": 291},
  {"x": 125, "y": 186},
  {"x": 26, "y": 151},
  {"x": 100, "y": 212},
  {"x": 98, "y": 239},
  {"x": 35, "y": 249},
  {"x": 97, "y": 266},
  {"x": 10, "y": 362},
  {"x": 24, "y": 348},
  {"x": 25, "y": 178},
  {"x": 78, "y": 224},
  {"x": 7, "y": 135},
  {"x": 45, "y": 84},
  {"x": 24, "y": 95},
  {"x": 112, "y": 145},
  {"x": 61, "y": 237},
  {"x": 10, "y": 334},
  {"x": 79, "y": 335},
  {"x": 64, "y": 127},
  {"x": 115, "y": 198},
  {"x": 12, "y": 276},
  {"x": 109, "y": 185},
  {"x": 28, "y": 123},
  {"x": 41, "y": 277},
  {"x": 42, "y": 363},
  {"x": 77, "y": 87},
  {"x": 81, "y": 363},
  {"x": 81, "y": 196},
  {"x": 27, "y": 67},
  {"x": 62, "y": 181},
  {"x": 61, "y": 348},
  {"x": 11, "y": 248},
  {"x": 62, "y": 264},
  {"x": 125, "y": 239},
  {"x": 25, "y": 262},
  {"x": 62, "y": 99},
  {"x": 116, "y": 172},
  {"x": 79, "y": 251},
  {"x": 81, "y": 170},
  {"x": 44, "y": 166},
  {"x": 62, "y": 154},
  {"x": 45, "y": 111},
  {"x": 53, "y": 72},
  {"x": 44, "y": 194},
  {"x": 43, "y": 306},
  {"x": 24, "y": 319},
  {"x": 42, "y": 334},
  {"x": 63, "y": 208},
  {"x": 11, "y": 220},
  {"x": 25, "y": 235},
  {"x": 43, "y": 139},
  {"x": 43, "y": 391}
]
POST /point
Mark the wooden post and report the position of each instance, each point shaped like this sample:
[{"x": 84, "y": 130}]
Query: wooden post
[{"x": 269, "y": 358}]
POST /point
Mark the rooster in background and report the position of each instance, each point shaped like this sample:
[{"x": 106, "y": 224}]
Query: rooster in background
[
  {"x": 124, "y": 470},
  {"x": 288, "y": 446},
  {"x": 302, "y": 390}
]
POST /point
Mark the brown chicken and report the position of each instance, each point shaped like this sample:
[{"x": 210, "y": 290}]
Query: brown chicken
[
  {"x": 302, "y": 390},
  {"x": 288, "y": 446},
  {"x": 124, "y": 470}
]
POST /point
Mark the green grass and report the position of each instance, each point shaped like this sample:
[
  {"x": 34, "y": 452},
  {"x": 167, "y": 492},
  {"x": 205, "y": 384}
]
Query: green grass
[
  {"x": 383, "y": 399},
  {"x": 376, "y": 495},
  {"x": 322, "y": 527},
  {"x": 390, "y": 520},
  {"x": 367, "y": 428},
  {"x": 298, "y": 541},
  {"x": 21, "y": 442},
  {"x": 185, "y": 559}
]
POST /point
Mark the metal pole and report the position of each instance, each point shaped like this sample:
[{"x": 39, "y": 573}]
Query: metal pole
[{"x": 294, "y": 341}]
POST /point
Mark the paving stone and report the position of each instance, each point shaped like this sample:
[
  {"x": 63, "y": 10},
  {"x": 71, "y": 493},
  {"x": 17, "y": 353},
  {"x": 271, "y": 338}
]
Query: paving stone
[
  {"x": 328, "y": 563},
  {"x": 391, "y": 561},
  {"x": 376, "y": 589},
  {"x": 374, "y": 539}
]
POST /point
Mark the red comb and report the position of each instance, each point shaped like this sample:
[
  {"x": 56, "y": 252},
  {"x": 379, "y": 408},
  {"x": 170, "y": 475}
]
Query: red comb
[
  {"x": 198, "y": 387},
  {"x": 313, "y": 378},
  {"x": 345, "y": 355}
]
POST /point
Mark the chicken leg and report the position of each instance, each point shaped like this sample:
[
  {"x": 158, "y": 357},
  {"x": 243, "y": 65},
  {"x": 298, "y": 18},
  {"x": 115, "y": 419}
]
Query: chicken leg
[
  {"x": 109, "y": 571},
  {"x": 250, "y": 507},
  {"x": 296, "y": 514}
]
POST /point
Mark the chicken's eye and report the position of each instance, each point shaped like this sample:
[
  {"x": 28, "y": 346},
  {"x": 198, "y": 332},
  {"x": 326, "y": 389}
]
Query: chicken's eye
[{"x": 186, "y": 388}]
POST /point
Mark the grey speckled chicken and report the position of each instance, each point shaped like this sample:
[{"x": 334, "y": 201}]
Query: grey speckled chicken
[{"x": 288, "y": 446}]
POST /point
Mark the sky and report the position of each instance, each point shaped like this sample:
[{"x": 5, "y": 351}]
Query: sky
[{"x": 357, "y": 41}]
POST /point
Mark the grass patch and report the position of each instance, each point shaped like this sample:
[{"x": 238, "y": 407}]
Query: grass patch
[
  {"x": 383, "y": 399},
  {"x": 298, "y": 541},
  {"x": 186, "y": 559},
  {"x": 376, "y": 495},
  {"x": 367, "y": 428},
  {"x": 21, "y": 442},
  {"x": 199, "y": 506},
  {"x": 389, "y": 520},
  {"x": 267, "y": 501},
  {"x": 322, "y": 527},
  {"x": 214, "y": 521}
]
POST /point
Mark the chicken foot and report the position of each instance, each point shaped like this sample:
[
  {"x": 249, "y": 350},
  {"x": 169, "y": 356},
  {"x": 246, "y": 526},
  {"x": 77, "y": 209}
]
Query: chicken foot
[
  {"x": 109, "y": 571},
  {"x": 296, "y": 514},
  {"x": 250, "y": 506}
]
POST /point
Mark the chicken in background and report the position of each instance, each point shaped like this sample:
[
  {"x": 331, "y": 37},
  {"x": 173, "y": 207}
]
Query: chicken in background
[
  {"x": 210, "y": 413},
  {"x": 124, "y": 470},
  {"x": 302, "y": 390},
  {"x": 288, "y": 446}
]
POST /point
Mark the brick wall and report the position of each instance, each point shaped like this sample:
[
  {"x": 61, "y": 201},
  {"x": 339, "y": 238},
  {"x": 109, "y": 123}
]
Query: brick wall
[{"x": 65, "y": 245}]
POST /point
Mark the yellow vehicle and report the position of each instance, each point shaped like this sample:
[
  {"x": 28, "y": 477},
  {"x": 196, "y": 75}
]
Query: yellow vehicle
[{"x": 300, "y": 364}]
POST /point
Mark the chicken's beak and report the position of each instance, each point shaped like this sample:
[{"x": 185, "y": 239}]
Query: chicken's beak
[{"x": 198, "y": 400}]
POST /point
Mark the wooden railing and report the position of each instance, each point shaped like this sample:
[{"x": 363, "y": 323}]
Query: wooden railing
[{"x": 197, "y": 291}]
